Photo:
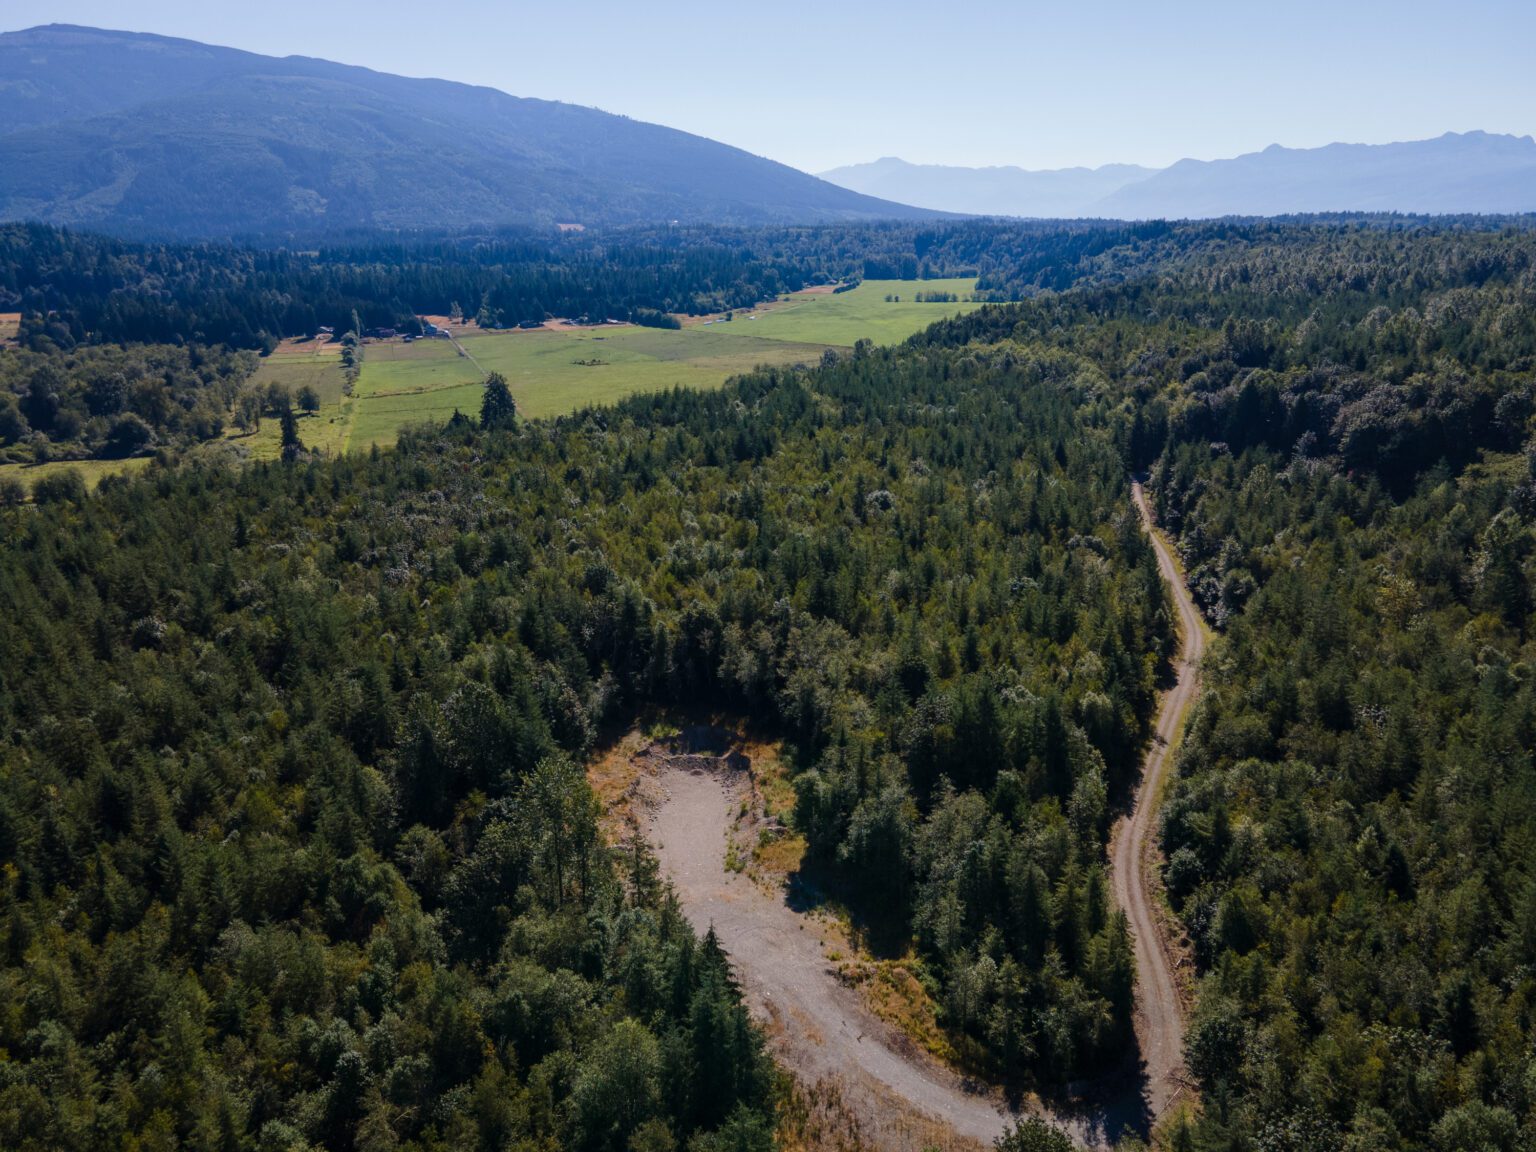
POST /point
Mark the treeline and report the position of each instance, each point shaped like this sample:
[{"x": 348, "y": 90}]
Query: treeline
[
  {"x": 76, "y": 288},
  {"x": 113, "y": 401}
]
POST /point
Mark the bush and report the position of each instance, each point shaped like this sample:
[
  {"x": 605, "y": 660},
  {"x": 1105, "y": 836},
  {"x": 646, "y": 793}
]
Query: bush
[
  {"x": 1034, "y": 1135},
  {"x": 128, "y": 435},
  {"x": 63, "y": 485}
]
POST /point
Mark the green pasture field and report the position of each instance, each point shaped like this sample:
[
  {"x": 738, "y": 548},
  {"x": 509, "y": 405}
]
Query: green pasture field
[
  {"x": 408, "y": 383},
  {"x": 428, "y": 380},
  {"x": 841, "y": 318},
  {"x": 91, "y": 471},
  {"x": 319, "y": 366}
]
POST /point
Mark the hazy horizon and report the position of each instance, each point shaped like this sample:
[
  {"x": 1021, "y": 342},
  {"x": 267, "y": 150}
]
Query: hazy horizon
[{"x": 1045, "y": 88}]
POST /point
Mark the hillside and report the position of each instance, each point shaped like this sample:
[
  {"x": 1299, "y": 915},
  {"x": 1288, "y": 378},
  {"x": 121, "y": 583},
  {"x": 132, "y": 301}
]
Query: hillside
[
  {"x": 135, "y": 133},
  {"x": 1474, "y": 172}
]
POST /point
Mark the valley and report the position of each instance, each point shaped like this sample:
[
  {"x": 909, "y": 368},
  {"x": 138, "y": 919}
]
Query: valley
[
  {"x": 556, "y": 370},
  {"x": 526, "y": 629}
]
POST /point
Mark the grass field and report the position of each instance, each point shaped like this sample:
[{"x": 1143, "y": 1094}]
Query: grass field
[
  {"x": 91, "y": 471},
  {"x": 407, "y": 383},
  {"x": 10, "y": 325},
  {"x": 293, "y": 366},
  {"x": 552, "y": 371},
  {"x": 549, "y": 372},
  {"x": 840, "y": 318}
]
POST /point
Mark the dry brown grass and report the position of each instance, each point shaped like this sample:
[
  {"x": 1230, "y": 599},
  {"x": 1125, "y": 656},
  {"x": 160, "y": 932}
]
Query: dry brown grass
[
  {"x": 819, "y": 1117},
  {"x": 775, "y": 858},
  {"x": 293, "y": 348},
  {"x": 815, "y": 1118},
  {"x": 778, "y": 849},
  {"x": 893, "y": 992},
  {"x": 612, "y": 775},
  {"x": 10, "y": 325}
]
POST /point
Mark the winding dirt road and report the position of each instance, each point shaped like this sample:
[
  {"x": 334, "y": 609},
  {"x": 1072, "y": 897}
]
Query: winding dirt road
[
  {"x": 1159, "y": 1005},
  {"x": 822, "y": 1029}
]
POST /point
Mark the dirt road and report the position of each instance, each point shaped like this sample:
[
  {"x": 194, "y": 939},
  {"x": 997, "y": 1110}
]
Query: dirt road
[
  {"x": 821, "y": 1028},
  {"x": 1159, "y": 1009}
]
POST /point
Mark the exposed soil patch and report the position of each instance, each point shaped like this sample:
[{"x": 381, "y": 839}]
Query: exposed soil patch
[{"x": 698, "y": 792}]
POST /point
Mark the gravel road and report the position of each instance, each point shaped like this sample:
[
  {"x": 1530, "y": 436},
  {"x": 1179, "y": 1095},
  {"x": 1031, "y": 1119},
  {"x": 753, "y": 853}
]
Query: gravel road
[{"x": 1159, "y": 1010}]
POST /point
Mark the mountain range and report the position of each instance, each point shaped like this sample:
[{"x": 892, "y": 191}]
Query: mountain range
[
  {"x": 143, "y": 134},
  {"x": 148, "y": 135},
  {"x": 1472, "y": 172}
]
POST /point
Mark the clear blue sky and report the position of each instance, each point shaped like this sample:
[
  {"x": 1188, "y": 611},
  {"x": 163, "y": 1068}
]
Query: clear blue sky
[{"x": 957, "y": 82}]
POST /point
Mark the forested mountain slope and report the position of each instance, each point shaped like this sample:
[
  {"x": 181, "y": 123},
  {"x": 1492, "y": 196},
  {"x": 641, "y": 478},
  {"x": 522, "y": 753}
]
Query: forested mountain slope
[{"x": 149, "y": 135}]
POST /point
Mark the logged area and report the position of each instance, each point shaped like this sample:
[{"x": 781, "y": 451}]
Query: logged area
[
  {"x": 822, "y": 1029},
  {"x": 817, "y": 1025}
]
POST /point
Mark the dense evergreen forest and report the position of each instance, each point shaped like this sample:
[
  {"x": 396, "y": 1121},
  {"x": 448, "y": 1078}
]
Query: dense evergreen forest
[
  {"x": 294, "y": 839},
  {"x": 325, "y": 720},
  {"x": 1339, "y": 432}
]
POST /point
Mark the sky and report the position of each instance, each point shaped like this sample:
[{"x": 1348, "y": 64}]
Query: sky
[{"x": 972, "y": 82}]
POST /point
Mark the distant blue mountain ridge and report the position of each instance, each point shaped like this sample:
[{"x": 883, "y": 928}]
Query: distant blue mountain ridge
[{"x": 1470, "y": 172}]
